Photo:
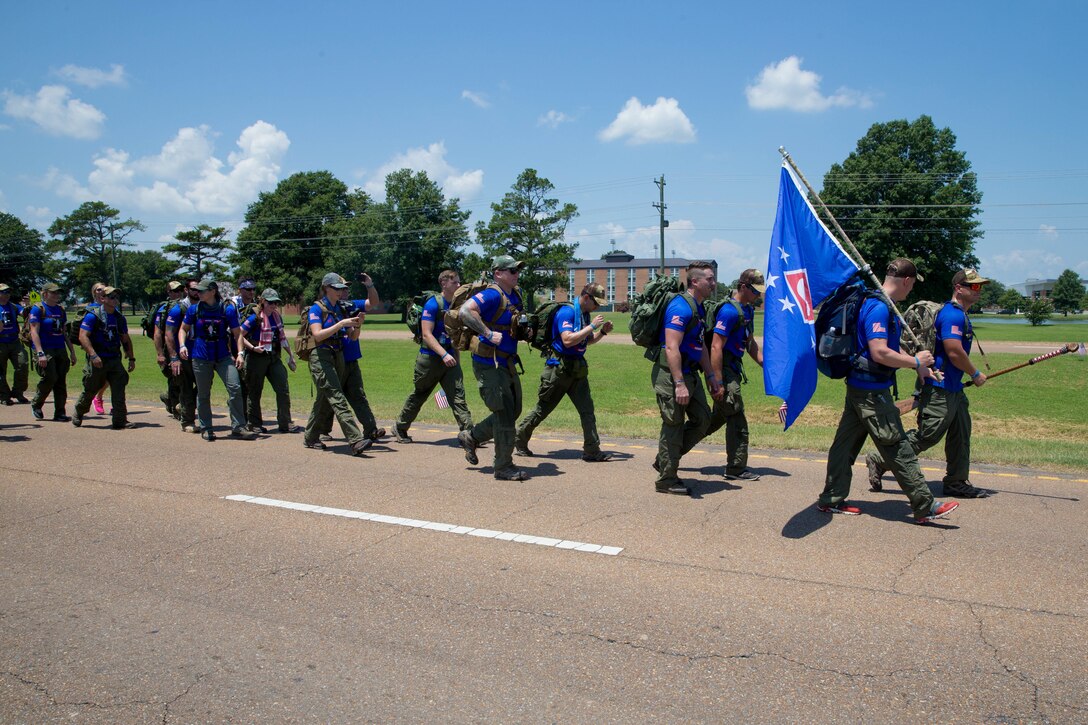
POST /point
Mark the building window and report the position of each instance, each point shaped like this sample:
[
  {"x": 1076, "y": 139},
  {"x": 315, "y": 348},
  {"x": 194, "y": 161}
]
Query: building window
[
  {"x": 551, "y": 296},
  {"x": 589, "y": 276},
  {"x": 653, "y": 273},
  {"x": 630, "y": 283},
  {"x": 570, "y": 284},
  {"x": 612, "y": 285},
  {"x": 675, "y": 272}
]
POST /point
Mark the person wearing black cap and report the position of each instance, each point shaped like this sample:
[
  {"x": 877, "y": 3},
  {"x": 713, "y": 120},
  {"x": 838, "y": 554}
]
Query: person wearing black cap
[
  {"x": 566, "y": 372},
  {"x": 102, "y": 334},
  {"x": 182, "y": 368},
  {"x": 494, "y": 355},
  {"x": 943, "y": 409},
  {"x": 329, "y": 325},
  {"x": 733, "y": 335},
  {"x": 210, "y": 323},
  {"x": 174, "y": 292},
  {"x": 352, "y": 382},
  {"x": 870, "y": 410},
  {"x": 12, "y": 351},
  {"x": 48, "y": 344},
  {"x": 263, "y": 338}
]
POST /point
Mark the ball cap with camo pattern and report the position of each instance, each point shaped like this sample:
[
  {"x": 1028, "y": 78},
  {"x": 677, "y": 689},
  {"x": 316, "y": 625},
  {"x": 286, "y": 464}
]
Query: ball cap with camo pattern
[
  {"x": 332, "y": 279},
  {"x": 505, "y": 261},
  {"x": 596, "y": 291},
  {"x": 968, "y": 276},
  {"x": 753, "y": 278}
]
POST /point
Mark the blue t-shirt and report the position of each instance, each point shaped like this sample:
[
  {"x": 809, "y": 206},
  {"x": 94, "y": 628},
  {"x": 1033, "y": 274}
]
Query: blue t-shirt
[
  {"x": 434, "y": 310},
  {"x": 9, "y": 313},
  {"x": 568, "y": 318},
  {"x": 952, "y": 323},
  {"x": 677, "y": 317},
  {"x": 488, "y": 301},
  {"x": 315, "y": 314},
  {"x": 105, "y": 333},
  {"x": 873, "y": 325},
  {"x": 174, "y": 317},
  {"x": 736, "y": 336},
  {"x": 210, "y": 329},
  {"x": 251, "y": 330},
  {"x": 51, "y": 325}
]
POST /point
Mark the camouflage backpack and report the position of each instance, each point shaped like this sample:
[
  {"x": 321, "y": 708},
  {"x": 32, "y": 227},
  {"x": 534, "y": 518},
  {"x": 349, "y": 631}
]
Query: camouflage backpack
[
  {"x": 414, "y": 317},
  {"x": 921, "y": 318}
]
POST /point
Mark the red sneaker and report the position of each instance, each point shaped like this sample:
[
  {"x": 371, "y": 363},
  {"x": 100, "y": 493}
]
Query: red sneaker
[
  {"x": 838, "y": 508},
  {"x": 939, "y": 511}
]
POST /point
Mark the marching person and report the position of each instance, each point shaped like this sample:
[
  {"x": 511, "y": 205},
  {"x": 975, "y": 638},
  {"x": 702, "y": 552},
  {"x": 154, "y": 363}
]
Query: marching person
[
  {"x": 98, "y": 291},
  {"x": 329, "y": 326},
  {"x": 12, "y": 351},
  {"x": 352, "y": 382},
  {"x": 174, "y": 292},
  {"x": 102, "y": 334},
  {"x": 870, "y": 410},
  {"x": 685, "y": 414},
  {"x": 438, "y": 363},
  {"x": 181, "y": 368},
  {"x": 262, "y": 339},
  {"x": 210, "y": 323},
  {"x": 734, "y": 336},
  {"x": 53, "y": 352},
  {"x": 494, "y": 355},
  {"x": 247, "y": 294},
  {"x": 943, "y": 406},
  {"x": 566, "y": 372}
]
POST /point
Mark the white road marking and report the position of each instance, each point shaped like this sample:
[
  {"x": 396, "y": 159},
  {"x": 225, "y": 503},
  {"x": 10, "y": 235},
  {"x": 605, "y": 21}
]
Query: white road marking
[{"x": 430, "y": 525}]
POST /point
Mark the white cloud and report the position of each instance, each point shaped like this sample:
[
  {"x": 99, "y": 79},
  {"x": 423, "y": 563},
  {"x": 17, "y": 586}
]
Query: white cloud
[
  {"x": 39, "y": 213},
  {"x": 553, "y": 118},
  {"x": 1046, "y": 231},
  {"x": 784, "y": 86},
  {"x": 56, "y": 113},
  {"x": 662, "y": 122},
  {"x": 94, "y": 77},
  {"x": 1020, "y": 264},
  {"x": 479, "y": 99},
  {"x": 185, "y": 176},
  {"x": 432, "y": 160}
]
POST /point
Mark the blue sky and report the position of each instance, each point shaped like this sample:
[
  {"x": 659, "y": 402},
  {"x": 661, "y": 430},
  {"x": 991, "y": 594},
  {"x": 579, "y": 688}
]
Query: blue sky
[{"x": 181, "y": 113}]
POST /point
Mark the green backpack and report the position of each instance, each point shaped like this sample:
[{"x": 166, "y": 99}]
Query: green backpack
[
  {"x": 648, "y": 313},
  {"x": 147, "y": 324},
  {"x": 414, "y": 317},
  {"x": 542, "y": 324},
  {"x": 921, "y": 318},
  {"x": 712, "y": 319}
]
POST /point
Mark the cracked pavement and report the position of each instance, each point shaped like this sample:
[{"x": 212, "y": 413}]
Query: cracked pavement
[{"x": 132, "y": 591}]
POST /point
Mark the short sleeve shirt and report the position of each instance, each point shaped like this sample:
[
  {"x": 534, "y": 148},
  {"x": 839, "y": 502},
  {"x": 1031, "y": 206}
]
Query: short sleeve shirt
[
  {"x": 9, "y": 313},
  {"x": 489, "y": 301},
  {"x": 873, "y": 325},
  {"x": 353, "y": 349},
  {"x": 316, "y": 315},
  {"x": 736, "y": 336},
  {"x": 677, "y": 317},
  {"x": 105, "y": 333},
  {"x": 568, "y": 318},
  {"x": 174, "y": 317},
  {"x": 51, "y": 322},
  {"x": 434, "y": 311},
  {"x": 952, "y": 323},
  {"x": 251, "y": 329},
  {"x": 210, "y": 329}
]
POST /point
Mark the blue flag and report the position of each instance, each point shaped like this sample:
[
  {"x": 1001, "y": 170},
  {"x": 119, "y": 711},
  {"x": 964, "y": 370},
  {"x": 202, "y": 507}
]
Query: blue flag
[{"x": 805, "y": 265}]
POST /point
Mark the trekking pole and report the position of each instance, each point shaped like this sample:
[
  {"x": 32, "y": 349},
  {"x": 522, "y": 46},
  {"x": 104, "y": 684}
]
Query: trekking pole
[
  {"x": 908, "y": 404},
  {"x": 857, "y": 255}
]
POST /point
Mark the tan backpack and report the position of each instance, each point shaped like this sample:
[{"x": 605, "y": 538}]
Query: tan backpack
[{"x": 304, "y": 339}]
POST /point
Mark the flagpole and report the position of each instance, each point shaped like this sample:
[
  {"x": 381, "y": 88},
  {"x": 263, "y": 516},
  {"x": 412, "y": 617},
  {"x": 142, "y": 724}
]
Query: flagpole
[{"x": 857, "y": 255}]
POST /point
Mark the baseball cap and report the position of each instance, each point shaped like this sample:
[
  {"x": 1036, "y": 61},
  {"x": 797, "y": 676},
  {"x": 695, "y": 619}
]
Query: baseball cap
[
  {"x": 4, "y": 287},
  {"x": 173, "y": 285},
  {"x": 596, "y": 291},
  {"x": 271, "y": 295},
  {"x": 51, "y": 287},
  {"x": 247, "y": 283},
  {"x": 332, "y": 279},
  {"x": 505, "y": 261},
  {"x": 206, "y": 284},
  {"x": 111, "y": 291},
  {"x": 968, "y": 276},
  {"x": 903, "y": 267},
  {"x": 754, "y": 278}
]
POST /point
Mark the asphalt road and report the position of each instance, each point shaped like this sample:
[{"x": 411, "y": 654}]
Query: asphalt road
[{"x": 134, "y": 590}]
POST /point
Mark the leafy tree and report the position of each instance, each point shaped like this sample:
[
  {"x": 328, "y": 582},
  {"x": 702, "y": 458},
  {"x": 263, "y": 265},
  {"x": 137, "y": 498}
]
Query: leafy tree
[
  {"x": 403, "y": 242},
  {"x": 201, "y": 251},
  {"x": 144, "y": 275},
  {"x": 1068, "y": 292},
  {"x": 22, "y": 255},
  {"x": 1038, "y": 311},
  {"x": 474, "y": 266},
  {"x": 528, "y": 226},
  {"x": 991, "y": 294},
  {"x": 1010, "y": 300},
  {"x": 89, "y": 238},
  {"x": 907, "y": 192},
  {"x": 283, "y": 243},
  {"x": 1084, "y": 302}
]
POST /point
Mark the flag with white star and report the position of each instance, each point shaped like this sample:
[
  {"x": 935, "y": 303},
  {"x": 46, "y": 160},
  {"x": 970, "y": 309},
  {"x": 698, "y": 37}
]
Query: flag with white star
[{"x": 805, "y": 265}]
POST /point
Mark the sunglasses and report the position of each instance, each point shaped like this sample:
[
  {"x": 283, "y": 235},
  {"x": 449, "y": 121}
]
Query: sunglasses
[
  {"x": 974, "y": 286},
  {"x": 113, "y": 297}
]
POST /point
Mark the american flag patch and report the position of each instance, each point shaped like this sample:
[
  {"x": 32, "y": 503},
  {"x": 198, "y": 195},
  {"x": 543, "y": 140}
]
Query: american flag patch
[
  {"x": 440, "y": 400},
  {"x": 956, "y": 330},
  {"x": 782, "y": 410},
  {"x": 877, "y": 327},
  {"x": 720, "y": 326},
  {"x": 676, "y": 320}
]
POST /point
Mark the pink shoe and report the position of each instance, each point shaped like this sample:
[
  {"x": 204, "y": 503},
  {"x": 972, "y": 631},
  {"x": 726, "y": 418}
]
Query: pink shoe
[{"x": 98, "y": 407}]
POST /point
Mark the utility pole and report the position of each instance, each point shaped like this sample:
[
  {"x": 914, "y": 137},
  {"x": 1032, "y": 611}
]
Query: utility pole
[{"x": 664, "y": 222}]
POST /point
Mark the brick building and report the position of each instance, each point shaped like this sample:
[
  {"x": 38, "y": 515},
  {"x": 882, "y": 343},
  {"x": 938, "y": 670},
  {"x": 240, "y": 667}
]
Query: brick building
[{"x": 622, "y": 275}]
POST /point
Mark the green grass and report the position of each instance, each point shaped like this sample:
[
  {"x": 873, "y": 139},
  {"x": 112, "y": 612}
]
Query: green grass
[{"x": 1032, "y": 417}]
